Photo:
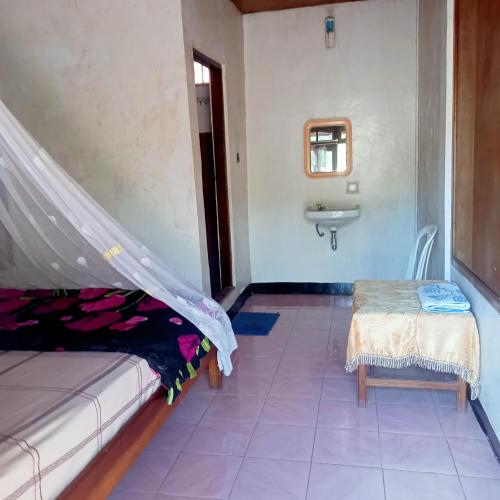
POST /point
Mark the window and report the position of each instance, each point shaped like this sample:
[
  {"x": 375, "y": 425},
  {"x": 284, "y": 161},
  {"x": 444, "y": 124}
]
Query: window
[{"x": 201, "y": 74}]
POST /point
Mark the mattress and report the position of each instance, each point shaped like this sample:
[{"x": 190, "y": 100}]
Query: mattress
[
  {"x": 100, "y": 319},
  {"x": 58, "y": 410}
]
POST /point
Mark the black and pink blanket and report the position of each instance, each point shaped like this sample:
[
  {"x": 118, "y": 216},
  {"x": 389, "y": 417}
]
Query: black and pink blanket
[{"x": 101, "y": 319}]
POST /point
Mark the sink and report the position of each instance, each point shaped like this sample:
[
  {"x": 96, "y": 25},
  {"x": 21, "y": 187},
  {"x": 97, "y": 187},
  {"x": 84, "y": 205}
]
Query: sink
[{"x": 332, "y": 216}]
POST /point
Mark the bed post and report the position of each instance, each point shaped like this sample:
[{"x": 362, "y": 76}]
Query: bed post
[
  {"x": 461, "y": 395},
  {"x": 214, "y": 374},
  {"x": 362, "y": 390}
]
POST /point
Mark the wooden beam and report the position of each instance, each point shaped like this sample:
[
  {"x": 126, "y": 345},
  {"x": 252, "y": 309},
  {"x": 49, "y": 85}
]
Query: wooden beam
[{"x": 252, "y": 6}]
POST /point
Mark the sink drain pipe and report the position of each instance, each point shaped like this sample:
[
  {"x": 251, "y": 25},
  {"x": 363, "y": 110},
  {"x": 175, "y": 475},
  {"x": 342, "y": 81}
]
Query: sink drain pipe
[{"x": 333, "y": 237}]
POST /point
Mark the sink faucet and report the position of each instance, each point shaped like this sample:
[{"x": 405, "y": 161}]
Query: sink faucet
[{"x": 319, "y": 206}]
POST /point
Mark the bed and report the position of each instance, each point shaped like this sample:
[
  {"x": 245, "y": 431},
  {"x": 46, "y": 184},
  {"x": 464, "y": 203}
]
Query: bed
[{"x": 85, "y": 380}]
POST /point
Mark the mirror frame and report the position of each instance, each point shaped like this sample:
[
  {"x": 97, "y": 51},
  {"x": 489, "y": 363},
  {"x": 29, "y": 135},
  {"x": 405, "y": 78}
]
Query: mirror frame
[{"x": 326, "y": 122}]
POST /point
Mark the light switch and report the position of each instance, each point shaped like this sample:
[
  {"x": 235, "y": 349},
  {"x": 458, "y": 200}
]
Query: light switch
[{"x": 352, "y": 187}]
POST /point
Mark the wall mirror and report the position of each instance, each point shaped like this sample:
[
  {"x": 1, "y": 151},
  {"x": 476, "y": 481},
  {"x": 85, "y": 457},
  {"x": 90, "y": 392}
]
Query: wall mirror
[{"x": 327, "y": 147}]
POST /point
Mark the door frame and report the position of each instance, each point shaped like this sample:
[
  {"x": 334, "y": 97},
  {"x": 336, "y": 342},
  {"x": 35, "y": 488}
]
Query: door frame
[{"x": 217, "y": 104}]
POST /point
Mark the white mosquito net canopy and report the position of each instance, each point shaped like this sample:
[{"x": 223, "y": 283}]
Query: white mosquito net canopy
[{"x": 54, "y": 235}]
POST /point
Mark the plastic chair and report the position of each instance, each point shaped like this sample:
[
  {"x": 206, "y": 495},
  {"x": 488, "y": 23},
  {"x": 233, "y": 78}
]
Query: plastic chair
[{"x": 420, "y": 273}]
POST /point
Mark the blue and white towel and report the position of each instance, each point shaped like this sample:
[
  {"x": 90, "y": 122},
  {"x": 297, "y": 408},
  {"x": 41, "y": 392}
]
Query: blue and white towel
[{"x": 443, "y": 298}]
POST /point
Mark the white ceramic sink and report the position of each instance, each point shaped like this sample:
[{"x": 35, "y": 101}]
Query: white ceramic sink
[{"x": 332, "y": 216}]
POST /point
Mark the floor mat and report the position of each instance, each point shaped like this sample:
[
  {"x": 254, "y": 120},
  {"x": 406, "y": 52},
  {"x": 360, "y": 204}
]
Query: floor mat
[{"x": 254, "y": 323}]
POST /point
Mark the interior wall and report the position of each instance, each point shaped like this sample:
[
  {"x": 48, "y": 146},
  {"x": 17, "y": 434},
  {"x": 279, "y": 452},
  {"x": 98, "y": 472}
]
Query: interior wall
[
  {"x": 215, "y": 28},
  {"x": 431, "y": 125},
  {"x": 370, "y": 78},
  {"x": 102, "y": 86}
]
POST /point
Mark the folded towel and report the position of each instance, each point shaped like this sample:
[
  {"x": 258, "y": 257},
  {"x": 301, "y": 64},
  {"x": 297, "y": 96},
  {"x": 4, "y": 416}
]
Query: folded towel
[{"x": 443, "y": 298}]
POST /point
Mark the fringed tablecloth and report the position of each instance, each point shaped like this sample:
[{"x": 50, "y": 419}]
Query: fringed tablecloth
[{"x": 390, "y": 329}]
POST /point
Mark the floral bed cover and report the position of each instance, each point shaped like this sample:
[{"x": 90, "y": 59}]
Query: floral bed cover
[{"x": 102, "y": 319}]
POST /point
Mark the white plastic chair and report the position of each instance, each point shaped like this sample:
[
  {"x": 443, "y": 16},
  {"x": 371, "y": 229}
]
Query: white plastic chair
[{"x": 420, "y": 273}]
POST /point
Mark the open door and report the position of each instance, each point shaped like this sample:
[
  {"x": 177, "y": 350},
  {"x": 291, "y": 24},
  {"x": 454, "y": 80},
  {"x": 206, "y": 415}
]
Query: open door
[{"x": 210, "y": 106}]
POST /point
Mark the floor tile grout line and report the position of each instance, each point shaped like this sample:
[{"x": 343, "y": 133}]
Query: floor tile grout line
[
  {"x": 380, "y": 447},
  {"x": 258, "y": 418},
  {"x": 184, "y": 447},
  {"x": 451, "y": 453},
  {"x": 317, "y": 417}
]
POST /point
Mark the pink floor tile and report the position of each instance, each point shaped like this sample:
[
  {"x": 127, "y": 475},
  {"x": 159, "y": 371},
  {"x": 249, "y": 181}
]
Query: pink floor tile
[
  {"x": 347, "y": 415},
  {"x": 289, "y": 411},
  {"x": 342, "y": 390},
  {"x": 281, "y": 441},
  {"x": 222, "y": 438},
  {"x": 331, "y": 482},
  {"x": 301, "y": 366},
  {"x": 409, "y": 420},
  {"x": 474, "y": 457},
  {"x": 161, "y": 496},
  {"x": 202, "y": 386},
  {"x": 173, "y": 435},
  {"x": 336, "y": 369},
  {"x": 235, "y": 408},
  {"x": 247, "y": 384},
  {"x": 458, "y": 424},
  {"x": 262, "y": 365},
  {"x": 416, "y": 453},
  {"x": 347, "y": 447},
  {"x": 393, "y": 396},
  {"x": 261, "y": 478},
  {"x": 130, "y": 495},
  {"x": 406, "y": 485},
  {"x": 310, "y": 322},
  {"x": 479, "y": 488},
  {"x": 148, "y": 471},
  {"x": 316, "y": 312},
  {"x": 197, "y": 475},
  {"x": 193, "y": 406},
  {"x": 445, "y": 399},
  {"x": 296, "y": 386}
]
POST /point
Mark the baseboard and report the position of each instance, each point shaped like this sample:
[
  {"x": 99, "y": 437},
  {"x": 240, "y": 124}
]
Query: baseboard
[
  {"x": 239, "y": 302},
  {"x": 485, "y": 424},
  {"x": 302, "y": 288},
  {"x": 288, "y": 288}
]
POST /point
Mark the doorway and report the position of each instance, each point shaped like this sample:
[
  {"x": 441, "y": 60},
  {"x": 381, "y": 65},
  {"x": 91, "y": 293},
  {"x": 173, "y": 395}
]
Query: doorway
[{"x": 210, "y": 110}]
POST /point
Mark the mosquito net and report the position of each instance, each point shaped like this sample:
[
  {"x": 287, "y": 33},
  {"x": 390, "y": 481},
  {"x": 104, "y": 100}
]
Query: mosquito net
[{"x": 54, "y": 235}]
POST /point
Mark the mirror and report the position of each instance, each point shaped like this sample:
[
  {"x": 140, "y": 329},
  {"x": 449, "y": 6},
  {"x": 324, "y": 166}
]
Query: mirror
[{"x": 327, "y": 147}]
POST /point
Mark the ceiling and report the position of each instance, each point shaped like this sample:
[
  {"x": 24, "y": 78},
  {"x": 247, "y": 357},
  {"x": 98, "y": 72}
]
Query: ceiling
[{"x": 249, "y": 6}]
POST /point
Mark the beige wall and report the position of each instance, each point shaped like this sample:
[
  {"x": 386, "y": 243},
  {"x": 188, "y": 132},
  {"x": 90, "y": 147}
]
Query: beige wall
[
  {"x": 104, "y": 87},
  {"x": 215, "y": 28},
  {"x": 431, "y": 125},
  {"x": 369, "y": 77}
]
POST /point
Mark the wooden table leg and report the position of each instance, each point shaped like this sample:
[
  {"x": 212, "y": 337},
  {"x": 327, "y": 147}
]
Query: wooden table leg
[
  {"x": 362, "y": 390},
  {"x": 461, "y": 395},
  {"x": 214, "y": 374}
]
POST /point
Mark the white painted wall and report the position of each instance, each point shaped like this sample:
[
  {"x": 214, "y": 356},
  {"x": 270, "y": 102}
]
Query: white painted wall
[
  {"x": 215, "y": 28},
  {"x": 103, "y": 86},
  {"x": 488, "y": 322},
  {"x": 431, "y": 125},
  {"x": 369, "y": 77}
]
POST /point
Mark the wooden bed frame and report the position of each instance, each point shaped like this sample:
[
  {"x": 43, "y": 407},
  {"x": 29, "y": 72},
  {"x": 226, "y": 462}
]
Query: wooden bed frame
[{"x": 99, "y": 478}]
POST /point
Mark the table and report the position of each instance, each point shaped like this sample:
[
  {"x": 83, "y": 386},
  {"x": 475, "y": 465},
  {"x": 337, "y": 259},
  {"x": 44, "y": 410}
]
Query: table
[{"x": 390, "y": 329}]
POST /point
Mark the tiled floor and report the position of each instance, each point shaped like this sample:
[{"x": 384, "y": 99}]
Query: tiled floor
[{"x": 286, "y": 426}]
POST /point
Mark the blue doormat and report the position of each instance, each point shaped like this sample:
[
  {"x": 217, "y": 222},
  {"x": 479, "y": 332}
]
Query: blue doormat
[{"x": 252, "y": 323}]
